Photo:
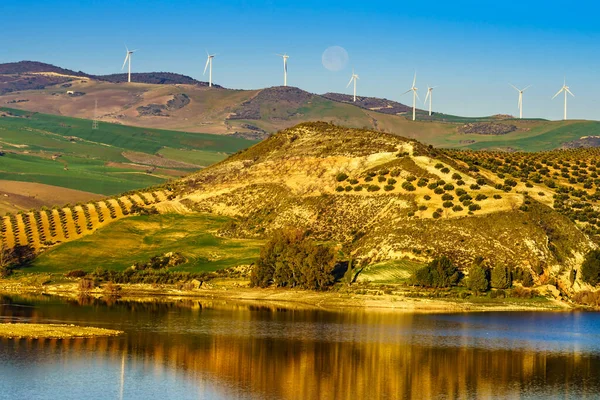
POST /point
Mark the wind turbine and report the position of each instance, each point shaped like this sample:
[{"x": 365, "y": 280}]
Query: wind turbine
[
  {"x": 429, "y": 96},
  {"x": 285, "y": 59},
  {"x": 415, "y": 96},
  {"x": 565, "y": 89},
  {"x": 353, "y": 78},
  {"x": 128, "y": 58},
  {"x": 521, "y": 91},
  {"x": 209, "y": 61}
]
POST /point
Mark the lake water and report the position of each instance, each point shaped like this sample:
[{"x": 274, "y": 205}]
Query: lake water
[{"x": 224, "y": 350}]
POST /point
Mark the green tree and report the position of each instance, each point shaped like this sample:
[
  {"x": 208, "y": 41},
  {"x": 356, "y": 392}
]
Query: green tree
[
  {"x": 438, "y": 273},
  {"x": 289, "y": 259},
  {"x": 590, "y": 269},
  {"x": 477, "y": 280},
  {"x": 501, "y": 278}
]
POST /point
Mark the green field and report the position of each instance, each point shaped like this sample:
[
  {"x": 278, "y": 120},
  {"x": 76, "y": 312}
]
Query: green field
[
  {"x": 67, "y": 152},
  {"x": 392, "y": 271},
  {"x": 139, "y": 238}
]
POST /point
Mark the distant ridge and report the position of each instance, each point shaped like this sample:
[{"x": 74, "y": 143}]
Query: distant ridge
[
  {"x": 29, "y": 75},
  {"x": 384, "y": 106}
]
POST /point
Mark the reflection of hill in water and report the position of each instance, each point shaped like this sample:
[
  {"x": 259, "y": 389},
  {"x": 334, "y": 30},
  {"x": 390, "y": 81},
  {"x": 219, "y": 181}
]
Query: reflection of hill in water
[{"x": 327, "y": 355}]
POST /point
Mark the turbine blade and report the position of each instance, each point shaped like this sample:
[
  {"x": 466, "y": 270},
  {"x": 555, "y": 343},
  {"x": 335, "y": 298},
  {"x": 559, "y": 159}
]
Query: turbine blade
[
  {"x": 527, "y": 87},
  {"x": 426, "y": 97},
  {"x": 409, "y": 90},
  {"x": 514, "y": 87},
  {"x": 350, "y": 81},
  {"x": 559, "y": 92},
  {"x": 567, "y": 89},
  {"x": 414, "y": 80},
  {"x": 206, "y": 66},
  {"x": 125, "y": 62},
  {"x": 417, "y": 94}
]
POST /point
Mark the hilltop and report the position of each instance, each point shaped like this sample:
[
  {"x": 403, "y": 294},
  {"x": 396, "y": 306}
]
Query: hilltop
[
  {"x": 177, "y": 102},
  {"x": 389, "y": 202}
]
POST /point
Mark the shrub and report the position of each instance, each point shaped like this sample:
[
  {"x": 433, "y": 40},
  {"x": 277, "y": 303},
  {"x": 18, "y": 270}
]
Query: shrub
[
  {"x": 76, "y": 273},
  {"x": 590, "y": 269},
  {"x": 368, "y": 179},
  {"x": 439, "y": 165},
  {"x": 497, "y": 196},
  {"x": 388, "y": 188},
  {"x": 447, "y": 196},
  {"x": 348, "y": 188},
  {"x": 448, "y": 204},
  {"x": 381, "y": 178},
  {"x": 422, "y": 182},
  {"x": 436, "y": 215},
  {"x": 460, "y": 182},
  {"x": 411, "y": 178},
  {"x": 353, "y": 181},
  {"x": 373, "y": 188},
  {"x": 477, "y": 280},
  {"x": 445, "y": 170},
  {"x": 501, "y": 277},
  {"x": 457, "y": 208},
  {"x": 339, "y": 189},
  {"x": 395, "y": 173},
  {"x": 480, "y": 197},
  {"x": 510, "y": 182},
  {"x": 432, "y": 185},
  {"x": 408, "y": 186},
  {"x": 474, "y": 187},
  {"x": 358, "y": 188},
  {"x": 448, "y": 186},
  {"x": 456, "y": 176},
  {"x": 460, "y": 192},
  {"x": 290, "y": 259},
  {"x": 474, "y": 207},
  {"x": 391, "y": 181},
  {"x": 438, "y": 190},
  {"x": 341, "y": 177},
  {"x": 427, "y": 197}
]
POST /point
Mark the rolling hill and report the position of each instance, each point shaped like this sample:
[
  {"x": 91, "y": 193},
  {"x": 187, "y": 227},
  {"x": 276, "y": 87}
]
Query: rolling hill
[
  {"x": 390, "y": 202},
  {"x": 71, "y": 162},
  {"x": 176, "y": 102}
]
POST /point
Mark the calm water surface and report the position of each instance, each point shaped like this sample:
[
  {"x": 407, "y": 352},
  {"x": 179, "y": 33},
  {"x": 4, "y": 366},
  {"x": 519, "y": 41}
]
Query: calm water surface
[{"x": 223, "y": 350}]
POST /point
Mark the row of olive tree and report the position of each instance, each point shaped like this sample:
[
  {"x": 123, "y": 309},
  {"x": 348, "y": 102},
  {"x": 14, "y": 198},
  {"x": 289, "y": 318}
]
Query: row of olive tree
[{"x": 290, "y": 259}]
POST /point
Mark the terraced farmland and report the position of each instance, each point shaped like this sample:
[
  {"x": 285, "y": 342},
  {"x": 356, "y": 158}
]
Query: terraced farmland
[{"x": 40, "y": 229}]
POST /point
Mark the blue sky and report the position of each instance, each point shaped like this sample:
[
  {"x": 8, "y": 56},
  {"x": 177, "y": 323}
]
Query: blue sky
[{"x": 471, "y": 50}]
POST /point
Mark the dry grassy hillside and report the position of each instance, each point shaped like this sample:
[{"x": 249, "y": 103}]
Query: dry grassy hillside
[{"x": 384, "y": 197}]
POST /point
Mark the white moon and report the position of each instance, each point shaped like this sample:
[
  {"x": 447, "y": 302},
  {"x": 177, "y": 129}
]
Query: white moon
[{"x": 335, "y": 58}]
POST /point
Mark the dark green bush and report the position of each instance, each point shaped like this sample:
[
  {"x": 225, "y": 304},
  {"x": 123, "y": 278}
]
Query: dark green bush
[
  {"x": 438, "y": 273},
  {"x": 590, "y": 269},
  {"x": 341, "y": 177}
]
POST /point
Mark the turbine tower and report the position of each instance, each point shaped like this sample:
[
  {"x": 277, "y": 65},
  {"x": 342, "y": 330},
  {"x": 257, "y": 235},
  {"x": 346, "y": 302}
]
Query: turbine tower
[
  {"x": 521, "y": 91},
  {"x": 415, "y": 96},
  {"x": 128, "y": 58},
  {"x": 565, "y": 89},
  {"x": 285, "y": 59},
  {"x": 429, "y": 96},
  {"x": 209, "y": 61},
  {"x": 353, "y": 78}
]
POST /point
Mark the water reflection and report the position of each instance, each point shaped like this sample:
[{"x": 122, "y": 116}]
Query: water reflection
[{"x": 220, "y": 350}]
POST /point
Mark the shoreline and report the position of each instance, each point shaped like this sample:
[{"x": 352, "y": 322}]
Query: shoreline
[{"x": 294, "y": 299}]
